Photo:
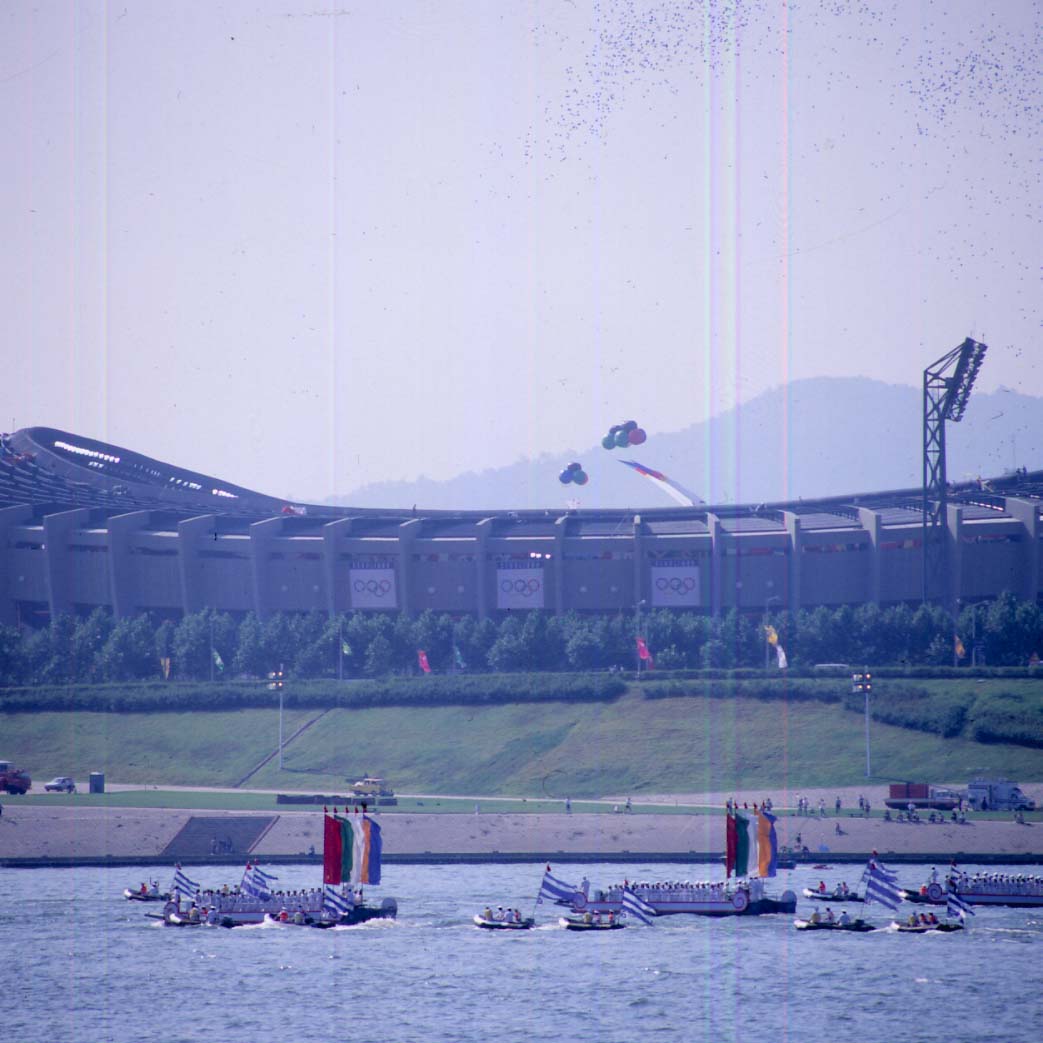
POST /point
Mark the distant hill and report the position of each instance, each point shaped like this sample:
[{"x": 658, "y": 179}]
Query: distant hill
[{"x": 819, "y": 437}]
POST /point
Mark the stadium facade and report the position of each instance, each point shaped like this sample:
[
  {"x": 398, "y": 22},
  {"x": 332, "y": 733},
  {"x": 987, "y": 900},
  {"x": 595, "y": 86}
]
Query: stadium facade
[{"x": 85, "y": 524}]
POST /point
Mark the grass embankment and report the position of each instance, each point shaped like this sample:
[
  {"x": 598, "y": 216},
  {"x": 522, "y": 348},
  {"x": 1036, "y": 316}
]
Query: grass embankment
[{"x": 633, "y": 744}]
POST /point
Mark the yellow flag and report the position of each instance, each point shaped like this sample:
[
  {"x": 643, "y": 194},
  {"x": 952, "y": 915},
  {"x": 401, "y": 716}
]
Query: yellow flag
[
  {"x": 773, "y": 638},
  {"x": 961, "y": 652}
]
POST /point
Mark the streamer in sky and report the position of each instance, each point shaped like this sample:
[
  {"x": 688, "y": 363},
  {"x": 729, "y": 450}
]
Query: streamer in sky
[{"x": 668, "y": 485}]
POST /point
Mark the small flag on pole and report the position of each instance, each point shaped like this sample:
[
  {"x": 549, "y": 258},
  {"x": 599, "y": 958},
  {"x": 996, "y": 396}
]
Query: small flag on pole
[
  {"x": 644, "y": 653},
  {"x": 458, "y": 659},
  {"x": 771, "y": 634},
  {"x": 218, "y": 661},
  {"x": 635, "y": 907},
  {"x": 421, "y": 657},
  {"x": 345, "y": 648}
]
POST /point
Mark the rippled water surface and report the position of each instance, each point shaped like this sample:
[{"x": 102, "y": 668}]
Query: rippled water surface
[{"x": 83, "y": 964}]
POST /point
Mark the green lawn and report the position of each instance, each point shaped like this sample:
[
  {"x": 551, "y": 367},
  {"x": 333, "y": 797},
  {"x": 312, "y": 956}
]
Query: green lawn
[{"x": 543, "y": 751}]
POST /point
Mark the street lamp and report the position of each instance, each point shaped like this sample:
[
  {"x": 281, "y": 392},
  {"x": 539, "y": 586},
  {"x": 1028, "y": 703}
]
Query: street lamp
[
  {"x": 863, "y": 683},
  {"x": 276, "y": 685}
]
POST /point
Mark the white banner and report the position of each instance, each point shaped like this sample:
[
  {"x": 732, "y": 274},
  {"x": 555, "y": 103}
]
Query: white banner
[
  {"x": 675, "y": 585},
  {"x": 373, "y": 588},
  {"x": 519, "y": 588}
]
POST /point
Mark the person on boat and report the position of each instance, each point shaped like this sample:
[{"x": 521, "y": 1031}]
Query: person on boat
[
  {"x": 924, "y": 922},
  {"x": 611, "y": 917},
  {"x": 499, "y": 912},
  {"x": 843, "y": 919},
  {"x": 143, "y": 890},
  {"x": 298, "y": 917},
  {"x": 830, "y": 915},
  {"x": 912, "y": 921},
  {"x": 932, "y": 919},
  {"x": 597, "y": 917},
  {"x": 193, "y": 913},
  {"x": 587, "y": 918},
  {"x": 487, "y": 913},
  {"x": 153, "y": 888},
  {"x": 822, "y": 887},
  {"x": 844, "y": 888},
  {"x": 816, "y": 917}
]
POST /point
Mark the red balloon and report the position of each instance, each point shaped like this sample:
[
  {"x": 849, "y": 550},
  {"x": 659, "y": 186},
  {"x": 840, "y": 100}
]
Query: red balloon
[{"x": 637, "y": 436}]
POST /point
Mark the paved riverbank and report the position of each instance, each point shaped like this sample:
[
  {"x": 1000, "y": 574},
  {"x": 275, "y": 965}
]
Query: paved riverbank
[{"x": 67, "y": 834}]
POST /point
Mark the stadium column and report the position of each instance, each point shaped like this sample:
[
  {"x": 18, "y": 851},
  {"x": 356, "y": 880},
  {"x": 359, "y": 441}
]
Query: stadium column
[
  {"x": 713, "y": 523},
  {"x": 560, "y": 530},
  {"x": 1027, "y": 512},
  {"x": 125, "y": 599},
  {"x": 56, "y": 530},
  {"x": 407, "y": 534},
  {"x": 954, "y": 556},
  {"x": 261, "y": 535},
  {"x": 482, "y": 531},
  {"x": 9, "y": 518},
  {"x": 796, "y": 557},
  {"x": 870, "y": 521},
  {"x": 192, "y": 534},
  {"x": 332, "y": 535}
]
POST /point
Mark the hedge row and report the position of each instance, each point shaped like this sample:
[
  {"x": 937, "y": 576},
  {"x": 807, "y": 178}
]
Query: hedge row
[
  {"x": 937, "y": 712},
  {"x": 482, "y": 690},
  {"x": 764, "y": 689}
]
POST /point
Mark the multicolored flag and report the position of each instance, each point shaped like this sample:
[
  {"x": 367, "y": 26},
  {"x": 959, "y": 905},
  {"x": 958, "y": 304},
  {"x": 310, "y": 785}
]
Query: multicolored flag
[
  {"x": 737, "y": 845},
  {"x": 767, "y": 845}
]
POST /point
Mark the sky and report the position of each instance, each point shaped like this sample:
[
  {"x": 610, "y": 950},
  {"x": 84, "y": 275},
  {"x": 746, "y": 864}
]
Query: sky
[{"x": 305, "y": 247}]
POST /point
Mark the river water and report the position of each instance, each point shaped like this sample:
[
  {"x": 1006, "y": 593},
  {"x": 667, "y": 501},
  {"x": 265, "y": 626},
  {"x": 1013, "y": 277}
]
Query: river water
[{"x": 83, "y": 965}]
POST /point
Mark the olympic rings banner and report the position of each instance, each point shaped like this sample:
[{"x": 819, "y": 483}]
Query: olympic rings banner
[
  {"x": 372, "y": 588},
  {"x": 519, "y": 588},
  {"x": 675, "y": 585}
]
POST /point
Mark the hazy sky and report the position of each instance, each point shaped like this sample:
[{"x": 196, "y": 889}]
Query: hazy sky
[{"x": 305, "y": 247}]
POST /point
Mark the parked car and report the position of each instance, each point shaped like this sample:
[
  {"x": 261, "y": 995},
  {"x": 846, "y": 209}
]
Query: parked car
[{"x": 61, "y": 784}]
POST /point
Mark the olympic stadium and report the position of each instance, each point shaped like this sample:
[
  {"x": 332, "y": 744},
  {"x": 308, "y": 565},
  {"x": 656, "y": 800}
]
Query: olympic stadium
[{"x": 85, "y": 524}]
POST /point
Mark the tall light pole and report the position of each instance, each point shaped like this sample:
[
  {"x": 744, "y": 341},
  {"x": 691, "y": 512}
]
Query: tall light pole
[
  {"x": 863, "y": 683},
  {"x": 276, "y": 685}
]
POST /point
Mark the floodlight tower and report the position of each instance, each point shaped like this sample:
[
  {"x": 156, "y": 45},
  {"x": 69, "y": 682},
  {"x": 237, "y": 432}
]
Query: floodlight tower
[{"x": 946, "y": 388}]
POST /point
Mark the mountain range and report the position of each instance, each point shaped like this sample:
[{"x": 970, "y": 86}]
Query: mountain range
[{"x": 823, "y": 436}]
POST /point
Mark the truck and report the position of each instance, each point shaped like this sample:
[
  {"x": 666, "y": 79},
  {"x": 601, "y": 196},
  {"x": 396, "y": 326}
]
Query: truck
[
  {"x": 371, "y": 786},
  {"x": 921, "y": 795},
  {"x": 14, "y": 780},
  {"x": 998, "y": 795}
]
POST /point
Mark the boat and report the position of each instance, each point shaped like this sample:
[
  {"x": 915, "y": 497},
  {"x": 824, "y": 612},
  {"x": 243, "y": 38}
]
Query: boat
[
  {"x": 744, "y": 898},
  {"x": 349, "y": 841},
  {"x": 1024, "y": 892},
  {"x": 834, "y": 896},
  {"x": 580, "y": 923},
  {"x": 939, "y": 928},
  {"x": 492, "y": 924},
  {"x": 146, "y": 896},
  {"x": 857, "y": 926}
]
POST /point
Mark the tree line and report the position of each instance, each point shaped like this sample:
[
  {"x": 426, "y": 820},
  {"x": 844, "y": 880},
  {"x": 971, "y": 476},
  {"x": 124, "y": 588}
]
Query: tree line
[{"x": 213, "y": 645}]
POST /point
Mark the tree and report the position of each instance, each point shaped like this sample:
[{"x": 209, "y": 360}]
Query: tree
[
  {"x": 191, "y": 647},
  {"x": 129, "y": 653},
  {"x": 251, "y": 651},
  {"x": 88, "y": 640},
  {"x": 379, "y": 657}
]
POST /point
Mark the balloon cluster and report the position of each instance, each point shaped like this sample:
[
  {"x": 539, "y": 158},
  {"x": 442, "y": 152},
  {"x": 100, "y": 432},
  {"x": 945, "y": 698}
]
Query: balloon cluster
[
  {"x": 622, "y": 435},
  {"x": 573, "y": 473}
]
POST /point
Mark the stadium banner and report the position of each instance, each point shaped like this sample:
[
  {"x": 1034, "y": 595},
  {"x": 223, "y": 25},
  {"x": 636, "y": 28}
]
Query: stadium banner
[
  {"x": 373, "y": 588},
  {"x": 519, "y": 588},
  {"x": 674, "y": 585}
]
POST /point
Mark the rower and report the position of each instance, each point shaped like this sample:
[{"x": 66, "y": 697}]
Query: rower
[
  {"x": 830, "y": 917},
  {"x": 844, "y": 918},
  {"x": 816, "y": 917}
]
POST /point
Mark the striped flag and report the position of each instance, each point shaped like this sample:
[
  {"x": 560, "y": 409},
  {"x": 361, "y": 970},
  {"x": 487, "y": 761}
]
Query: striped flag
[
  {"x": 556, "y": 890},
  {"x": 955, "y": 906},
  {"x": 182, "y": 884},
  {"x": 335, "y": 903},
  {"x": 881, "y": 886},
  {"x": 256, "y": 883},
  {"x": 635, "y": 907}
]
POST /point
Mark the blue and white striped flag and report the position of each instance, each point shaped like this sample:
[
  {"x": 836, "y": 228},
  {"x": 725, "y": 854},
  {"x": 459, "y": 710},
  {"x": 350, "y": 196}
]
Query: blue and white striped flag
[
  {"x": 556, "y": 890},
  {"x": 635, "y": 907},
  {"x": 956, "y": 906},
  {"x": 182, "y": 884},
  {"x": 881, "y": 886},
  {"x": 881, "y": 871},
  {"x": 255, "y": 883},
  {"x": 334, "y": 903}
]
